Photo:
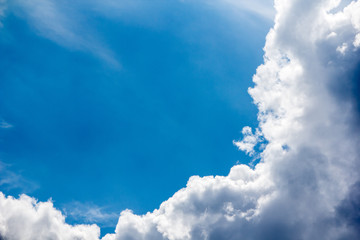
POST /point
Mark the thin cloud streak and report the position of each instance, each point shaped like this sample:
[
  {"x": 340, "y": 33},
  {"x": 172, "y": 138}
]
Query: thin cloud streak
[
  {"x": 4, "y": 124},
  {"x": 90, "y": 213},
  {"x": 64, "y": 25},
  {"x": 10, "y": 180},
  {"x": 2, "y": 11},
  {"x": 263, "y": 9}
]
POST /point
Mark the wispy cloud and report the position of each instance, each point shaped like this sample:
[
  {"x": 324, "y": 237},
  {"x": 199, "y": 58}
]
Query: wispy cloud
[
  {"x": 261, "y": 8},
  {"x": 11, "y": 180},
  {"x": 67, "y": 23},
  {"x": 4, "y": 124},
  {"x": 90, "y": 213},
  {"x": 2, "y": 10},
  {"x": 64, "y": 24}
]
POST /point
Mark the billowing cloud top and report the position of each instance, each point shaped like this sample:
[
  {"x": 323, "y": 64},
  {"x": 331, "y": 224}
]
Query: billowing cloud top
[{"x": 306, "y": 185}]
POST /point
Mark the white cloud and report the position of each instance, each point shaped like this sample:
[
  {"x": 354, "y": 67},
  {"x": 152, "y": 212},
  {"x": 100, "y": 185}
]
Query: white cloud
[
  {"x": 250, "y": 140},
  {"x": 27, "y": 219},
  {"x": 305, "y": 95},
  {"x": 357, "y": 41},
  {"x": 342, "y": 49}
]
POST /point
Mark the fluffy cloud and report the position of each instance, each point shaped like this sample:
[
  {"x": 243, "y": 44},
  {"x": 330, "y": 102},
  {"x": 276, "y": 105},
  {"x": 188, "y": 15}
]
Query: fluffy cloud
[
  {"x": 26, "y": 219},
  {"x": 249, "y": 141},
  {"x": 306, "y": 185}
]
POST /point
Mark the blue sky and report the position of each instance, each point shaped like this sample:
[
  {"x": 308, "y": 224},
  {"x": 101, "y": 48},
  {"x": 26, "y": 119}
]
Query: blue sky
[{"x": 116, "y": 107}]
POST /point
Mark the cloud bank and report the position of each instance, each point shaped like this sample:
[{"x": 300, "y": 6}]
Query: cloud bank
[{"x": 306, "y": 185}]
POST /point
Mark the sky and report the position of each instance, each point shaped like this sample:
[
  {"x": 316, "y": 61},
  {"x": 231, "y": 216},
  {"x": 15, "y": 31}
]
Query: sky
[
  {"x": 179, "y": 120},
  {"x": 107, "y": 105}
]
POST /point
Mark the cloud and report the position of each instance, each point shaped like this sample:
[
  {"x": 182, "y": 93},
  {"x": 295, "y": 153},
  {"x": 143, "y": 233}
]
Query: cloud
[
  {"x": 250, "y": 140},
  {"x": 261, "y": 8},
  {"x": 12, "y": 180},
  {"x": 306, "y": 185},
  {"x": 25, "y": 218},
  {"x": 67, "y": 24},
  {"x": 64, "y": 24},
  {"x": 90, "y": 213},
  {"x": 349, "y": 211},
  {"x": 4, "y": 124},
  {"x": 2, "y": 11}
]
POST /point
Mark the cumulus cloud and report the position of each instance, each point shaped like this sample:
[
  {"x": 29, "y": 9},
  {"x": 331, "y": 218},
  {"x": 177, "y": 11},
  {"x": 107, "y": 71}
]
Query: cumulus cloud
[
  {"x": 306, "y": 185},
  {"x": 26, "y": 219}
]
